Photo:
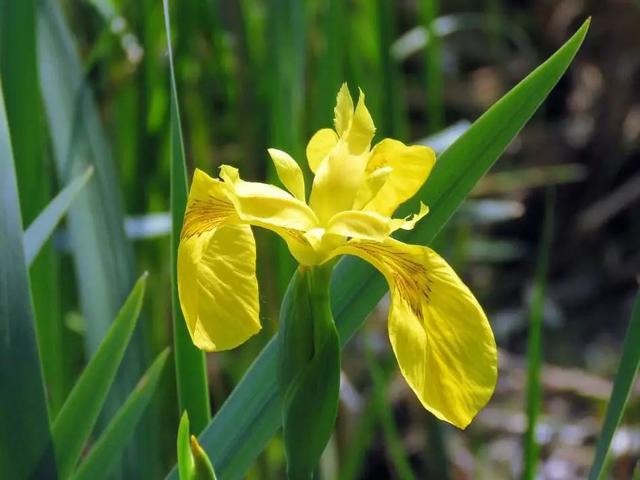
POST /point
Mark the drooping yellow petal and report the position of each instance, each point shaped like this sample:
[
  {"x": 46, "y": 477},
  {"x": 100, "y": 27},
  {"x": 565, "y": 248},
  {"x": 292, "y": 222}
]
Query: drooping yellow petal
[
  {"x": 289, "y": 173},
  {"x": 217, "y": 283},
  {"x": 217, "y": 286},
  {"x": 322, "y": 142},
  {"x": 439, "y": 333},
  {"x": 411, "y": 165},
  {"x": 208, "y": 205},
  {"x": 266, "y": 205},
  {"x": 343, "y": 111}
]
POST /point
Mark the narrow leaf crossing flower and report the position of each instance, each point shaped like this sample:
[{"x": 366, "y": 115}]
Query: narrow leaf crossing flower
[{"x": 439, "y": 333}]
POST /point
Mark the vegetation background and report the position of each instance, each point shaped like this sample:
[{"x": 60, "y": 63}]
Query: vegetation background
[{"x": 559, "y": 213}]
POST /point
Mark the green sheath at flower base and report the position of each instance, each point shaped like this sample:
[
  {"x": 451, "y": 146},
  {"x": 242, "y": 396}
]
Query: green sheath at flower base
[
  {"x": 309, "y": 369},
  {"x": 193, "y": 462}
]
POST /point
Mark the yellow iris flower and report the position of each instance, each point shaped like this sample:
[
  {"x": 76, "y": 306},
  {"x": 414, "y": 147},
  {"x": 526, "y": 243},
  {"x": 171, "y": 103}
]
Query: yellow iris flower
[{"x": 439, "y": 332}]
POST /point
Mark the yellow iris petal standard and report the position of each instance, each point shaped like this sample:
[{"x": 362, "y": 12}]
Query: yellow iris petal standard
[
  {"x": 322, "y": 142},
  {"x": 411, "y": 165},
  {"x": 373, "y": 182},
  {"x": 439, "y": 333},
  {"x": 217, "y": 283},
  {"x": 289, "y": 173},
  {"x": 336, "y": 182},
  {"x": 361, "y": 130},
  {"x": 343, "y": 111},
  {"x": 266, "y": 205}
]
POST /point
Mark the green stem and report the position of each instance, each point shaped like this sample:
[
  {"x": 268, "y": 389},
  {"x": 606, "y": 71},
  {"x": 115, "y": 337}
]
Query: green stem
[{"x": 318, "y": 283}]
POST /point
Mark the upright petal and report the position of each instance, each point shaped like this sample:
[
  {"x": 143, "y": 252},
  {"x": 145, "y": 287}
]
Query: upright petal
[
  {"x": 343, "y": 111},
  {"x": 361, "y": 130},
  {"x": 322, "y": 142},
  {"x": 439, "y": 333},
  {"x": 289, "y": 173},
  {"x": 411, "y": 165},
  {"x": 217, "y": 282},
  {"x": 337, "y": 182}
]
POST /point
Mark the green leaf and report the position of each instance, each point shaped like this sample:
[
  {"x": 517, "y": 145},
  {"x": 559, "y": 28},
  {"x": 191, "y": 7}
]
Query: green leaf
[
  {"x": 191, "y": 373},
  {"x": 25, "y": 440},
  {"x": 78, "y": 415},
  {"x": 622, "y": 385},
  {"x": 384, "y": 411},
  {"x": 18, "y": 66},
  {"x": 534, "y": 347},
  {"x": 37, "y": 234},
  {"x": 309, "y": 370},
  {"x": 249, "y": 417},
  {"x": 103, "y": 455}
]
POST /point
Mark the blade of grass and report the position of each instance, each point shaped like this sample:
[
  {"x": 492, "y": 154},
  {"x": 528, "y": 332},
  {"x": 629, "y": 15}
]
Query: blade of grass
[
  {"x": 78, "y": 415},
  {"x": 191, "y": 374},
  {"x": 356, "y": 448},
  {"x": 393, "y": 122},
  {"x": 434, "y": 85},
  {"x": 18, "y": 67},
  {"x": 250, "y": 416},
  {"x": 534, "y": 348},
  {"x": 25, "y": 440},
  {"x": 37, "y": 234},
  {"x": 101, "y": 459},
  {"x": 384, "y": 411},
  {"x": 287, "y": 93},
  {"x": 622, "y": 384}
]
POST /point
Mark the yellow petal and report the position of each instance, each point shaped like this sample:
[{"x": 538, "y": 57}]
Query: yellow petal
[
  {"x": 217, "y": 286},
  {"x": 337, "y": 182},
  {"x": 411, "y": 165},
  {"x": 440, "y": 335},
  {"x": 361, "y": 131},
  {"x": 360, "y": 224},
  {"x": 289, "y": 173},
  {"x": 266, "y": 205},
  {"x": 216, "y": 269},
  {"x": 322, "y": 142},
  {"x": 371, "y": 186},
  {"x": 409, "y": 222},
  {"x": 208, "y": 205},
  {"x": 343, "y": 112}
]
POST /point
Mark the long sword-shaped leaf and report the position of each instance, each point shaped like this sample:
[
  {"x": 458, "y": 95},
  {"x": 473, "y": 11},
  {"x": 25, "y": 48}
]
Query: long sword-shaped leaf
[
  {"x": 622, "y": 384},
  {"x": 37, "y": 234},
  {"x": 101, "y": 459},
  {"x": 531, "y": 449},
  {"x": 18, "y": 66},
  {"x": 25, "y": 440},
  {"x": 78, "y": 415},
  {"x": 191, "y": 374},
  {"x": 251, "y": 414}
]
